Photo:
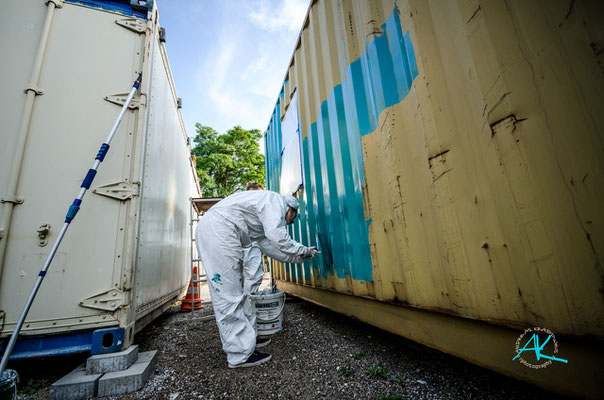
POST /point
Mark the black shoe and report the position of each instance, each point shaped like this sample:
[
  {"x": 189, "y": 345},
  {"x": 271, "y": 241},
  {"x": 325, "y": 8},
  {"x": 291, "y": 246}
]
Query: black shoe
[
  {"x": 255, "y": 359},
  {"x": 261, "y": 342}
]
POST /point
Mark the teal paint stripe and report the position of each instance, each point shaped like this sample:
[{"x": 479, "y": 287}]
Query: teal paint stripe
[
  {"x": 289, "y": 266},
  {"x": 304, "y": 238},
  {"x": 273, "y": 147},
  {"x": 296, "y": 228},
  {"x": 307, "y": 203},
  {"x": 331, "y": 229},
  {"x": 333, "y": 156},
  {"x": 316, "y": 180},
  {"x": 350, "y": 199}
]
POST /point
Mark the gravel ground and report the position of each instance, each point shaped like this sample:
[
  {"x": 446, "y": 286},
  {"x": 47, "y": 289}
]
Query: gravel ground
[{"x": 320, "y": 354}]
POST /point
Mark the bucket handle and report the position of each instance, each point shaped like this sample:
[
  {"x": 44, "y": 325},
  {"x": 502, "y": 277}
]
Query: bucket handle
[{"x": 279, "y": 313}]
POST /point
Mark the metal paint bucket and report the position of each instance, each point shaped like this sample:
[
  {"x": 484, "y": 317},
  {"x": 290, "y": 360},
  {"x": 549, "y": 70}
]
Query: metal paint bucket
[
  {"x": 268, "y": 306},
  {"x": 8, "y": 385}
]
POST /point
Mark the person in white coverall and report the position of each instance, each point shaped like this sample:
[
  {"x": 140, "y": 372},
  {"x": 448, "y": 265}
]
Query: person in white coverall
[{"x": 222, "y": 234}]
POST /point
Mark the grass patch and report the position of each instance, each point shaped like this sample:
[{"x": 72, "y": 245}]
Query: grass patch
[
  {"x": 346, "y": 371},
  {"x": 397, "y": 396},
  {"x": 358, "y": 356},
  {"x": 30, "y": 387},
  {"x": 376, "y": 372},
  {"x": 448, "y": 388}
]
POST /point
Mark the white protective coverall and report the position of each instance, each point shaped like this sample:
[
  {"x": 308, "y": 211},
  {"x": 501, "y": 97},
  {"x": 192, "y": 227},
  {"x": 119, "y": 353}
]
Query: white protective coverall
[
  {"x": 253, "y": 272},
  {"x": 222, "y": 234}
]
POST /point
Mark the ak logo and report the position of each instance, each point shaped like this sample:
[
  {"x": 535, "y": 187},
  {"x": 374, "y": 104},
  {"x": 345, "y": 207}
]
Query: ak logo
[{"x": 533, "y": 347}]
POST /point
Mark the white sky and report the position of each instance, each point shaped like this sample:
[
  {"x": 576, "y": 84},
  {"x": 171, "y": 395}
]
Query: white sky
[{"x": 229, "y": 57}]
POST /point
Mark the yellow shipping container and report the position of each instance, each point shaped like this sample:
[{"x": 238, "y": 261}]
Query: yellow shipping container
[{"x": 452, "y": 161}]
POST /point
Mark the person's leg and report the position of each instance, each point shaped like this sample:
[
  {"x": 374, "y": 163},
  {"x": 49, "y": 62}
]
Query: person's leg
[
  {"x": 221, "y": 254},
  {"x": 252, "y": 274},
  {"x": 252, "y": 269},
  {"x": 256, "y": 279}
]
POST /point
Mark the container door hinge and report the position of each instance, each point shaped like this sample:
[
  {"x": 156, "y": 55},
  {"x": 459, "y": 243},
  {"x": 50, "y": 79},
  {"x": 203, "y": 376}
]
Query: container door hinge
[
  {"x": 32, "y": 88},
  {"x": 134, "y": 24},
  {"x": 11, "y": 198},
  {"x": 109, "y": 300},
  {"x": 119, "y": 190},
  {"x": 120, "y": 100},
  {"x": 57, "y": 3}
]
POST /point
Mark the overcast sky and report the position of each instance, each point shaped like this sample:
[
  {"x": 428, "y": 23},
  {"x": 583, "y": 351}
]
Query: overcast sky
[{"x": 229, "y": 57}]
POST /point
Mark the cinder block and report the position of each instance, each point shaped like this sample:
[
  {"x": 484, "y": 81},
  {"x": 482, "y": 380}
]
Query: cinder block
[
  {"x": 134, "y": 378},
  {"x": 75, "y": 386},
  {"x": 112, "y": 362}
]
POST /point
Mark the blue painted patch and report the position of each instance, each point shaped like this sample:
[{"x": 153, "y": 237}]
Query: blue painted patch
[
  {"x": 122, "y": 7},
  {"x": 272, "y": 145},
  {"x": 331, "y": 206},
  {"x": 55, "y": 345},
  {"x": 107, "y": 340}
]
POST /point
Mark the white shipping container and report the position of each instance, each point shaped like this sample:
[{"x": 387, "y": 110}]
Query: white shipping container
[{"x": 126, "y": 256}]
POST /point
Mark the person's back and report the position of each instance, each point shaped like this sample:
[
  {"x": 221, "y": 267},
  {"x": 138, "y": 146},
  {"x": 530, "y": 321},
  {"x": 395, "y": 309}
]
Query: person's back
[{"x": 258, "y": 214}]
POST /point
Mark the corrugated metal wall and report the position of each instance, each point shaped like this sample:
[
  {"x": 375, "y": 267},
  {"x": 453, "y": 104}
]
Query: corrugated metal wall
[{"x": 453, "y": 157}]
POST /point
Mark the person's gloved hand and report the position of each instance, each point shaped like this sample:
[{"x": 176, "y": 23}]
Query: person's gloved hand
[{"x": 310, "y": 252}]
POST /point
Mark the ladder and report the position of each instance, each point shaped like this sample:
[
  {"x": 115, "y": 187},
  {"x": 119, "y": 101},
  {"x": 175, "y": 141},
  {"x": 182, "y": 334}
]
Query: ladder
[
  {"x": 198, "y": 207},
  {"x": 195, "y": 259}
]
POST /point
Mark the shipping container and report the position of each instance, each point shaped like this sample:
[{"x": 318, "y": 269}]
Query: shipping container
[
  {"x": 449, "y": 161},
  {"x": 127, "y": 255}
]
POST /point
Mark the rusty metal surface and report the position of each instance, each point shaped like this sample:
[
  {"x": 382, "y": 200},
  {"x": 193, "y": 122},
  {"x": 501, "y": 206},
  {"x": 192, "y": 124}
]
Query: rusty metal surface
[{"x": 482, "y": 186}]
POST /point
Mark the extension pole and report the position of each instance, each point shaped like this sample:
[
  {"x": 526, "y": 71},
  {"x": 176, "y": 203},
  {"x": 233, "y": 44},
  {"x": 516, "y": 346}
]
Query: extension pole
[{"x": 71, "y": 213}]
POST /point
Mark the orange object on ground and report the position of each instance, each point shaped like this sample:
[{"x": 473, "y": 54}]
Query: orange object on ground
[{"x": 192, "y": 300}]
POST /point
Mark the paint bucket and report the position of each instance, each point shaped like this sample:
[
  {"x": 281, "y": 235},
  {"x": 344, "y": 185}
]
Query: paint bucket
[
  {"x": 8, "y": 385},
  {"x": 268, "y": 305}
]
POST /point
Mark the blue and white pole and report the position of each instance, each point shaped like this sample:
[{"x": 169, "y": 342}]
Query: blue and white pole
[{"x": 71, "y": 213}]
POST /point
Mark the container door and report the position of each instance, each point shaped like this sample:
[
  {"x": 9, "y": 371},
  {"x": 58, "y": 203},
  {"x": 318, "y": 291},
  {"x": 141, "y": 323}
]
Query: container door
[{"x": 91, "y": 57}]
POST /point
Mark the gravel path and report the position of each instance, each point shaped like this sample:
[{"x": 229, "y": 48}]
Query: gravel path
[{"x": 320, "y": 354}]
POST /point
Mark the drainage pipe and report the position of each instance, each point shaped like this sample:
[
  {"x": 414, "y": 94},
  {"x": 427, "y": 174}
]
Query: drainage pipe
[{"x": 10, "y": 198}]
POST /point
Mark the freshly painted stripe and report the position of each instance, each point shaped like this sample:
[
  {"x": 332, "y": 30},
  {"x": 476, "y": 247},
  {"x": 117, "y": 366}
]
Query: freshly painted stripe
[{"x": 332, "y": 204}]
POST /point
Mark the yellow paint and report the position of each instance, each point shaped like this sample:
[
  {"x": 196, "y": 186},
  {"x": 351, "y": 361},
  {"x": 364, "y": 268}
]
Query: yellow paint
[
  {"x": 495, "y": 228},
  {"x": 485, "y": 185}
]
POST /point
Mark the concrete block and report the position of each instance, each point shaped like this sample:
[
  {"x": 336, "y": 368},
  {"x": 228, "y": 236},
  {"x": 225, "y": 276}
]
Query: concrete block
[
  {"x": 112, "y": 362},
  {"x": 75, "y": 386},
  {"x": 134, "y": 378}
]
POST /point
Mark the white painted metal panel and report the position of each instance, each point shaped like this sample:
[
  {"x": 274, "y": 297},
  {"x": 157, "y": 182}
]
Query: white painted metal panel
[
  {"x": 25, "y": 22},
  {"x": 89, "y": 57},
  {"x": 164, "y": 242}
]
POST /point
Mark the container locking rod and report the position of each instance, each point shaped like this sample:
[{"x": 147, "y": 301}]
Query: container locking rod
[{"x": 71, "y": 213}]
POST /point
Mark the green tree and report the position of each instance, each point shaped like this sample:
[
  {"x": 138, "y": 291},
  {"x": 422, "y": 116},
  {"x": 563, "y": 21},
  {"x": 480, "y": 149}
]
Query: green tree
[{"x": 225, "y": 163}]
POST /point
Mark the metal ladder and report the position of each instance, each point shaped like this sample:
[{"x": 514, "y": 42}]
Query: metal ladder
[{"x": 195, "y": 260}]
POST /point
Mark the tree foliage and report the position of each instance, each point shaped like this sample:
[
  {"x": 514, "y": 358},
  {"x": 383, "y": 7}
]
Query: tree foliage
[{"x": 225, "y": 163}]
